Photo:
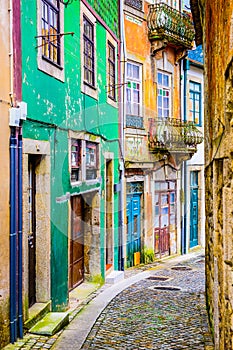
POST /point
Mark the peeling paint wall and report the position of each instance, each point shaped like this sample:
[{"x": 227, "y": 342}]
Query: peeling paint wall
[{"x": 55, "y": 108}]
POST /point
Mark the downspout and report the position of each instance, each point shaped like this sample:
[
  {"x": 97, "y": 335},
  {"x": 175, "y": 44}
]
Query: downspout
[
  {"x": 20, "y": 236},
  {"x": 121, "y": 49},
  {"x": 184, "y": 241},
  {"x": 13, "y": 249}
]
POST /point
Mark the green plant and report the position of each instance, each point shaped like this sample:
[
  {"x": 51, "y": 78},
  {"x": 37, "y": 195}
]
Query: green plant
[{"x": 148, "y": 255}]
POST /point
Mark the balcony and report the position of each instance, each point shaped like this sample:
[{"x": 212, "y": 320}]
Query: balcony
[
  {"x": 173, "y": 136},
  {"x": 134, "y": 122},
  {"x": 136, "y": 4},
  {"x": 171, "y": 26}
]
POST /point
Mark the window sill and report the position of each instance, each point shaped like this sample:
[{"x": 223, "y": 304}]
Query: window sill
[
  {"x": 52, "y": 62},
  {"x": 89, "y": 90}
]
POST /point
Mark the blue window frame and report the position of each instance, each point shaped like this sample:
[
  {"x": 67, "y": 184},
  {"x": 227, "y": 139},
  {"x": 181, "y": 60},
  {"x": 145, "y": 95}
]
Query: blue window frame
[{"x": 195, "y": 103}]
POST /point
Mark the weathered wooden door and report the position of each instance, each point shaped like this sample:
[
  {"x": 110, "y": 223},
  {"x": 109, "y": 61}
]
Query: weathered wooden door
[
  {"x": 194, "y": 209},
  {"x": 32, "y": 230},
  {"x": 165, "y": 216},
  {"x": 133, "y": 228},
  {"x": 109, "y": 215},
  {"x": 76, "y": 263}
]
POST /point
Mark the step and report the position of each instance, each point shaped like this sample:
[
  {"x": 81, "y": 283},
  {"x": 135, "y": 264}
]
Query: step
[
  {"x": 114, "y": 277},
  {"x": 51, "y": 323},
  {"x": 36, "y": 313}
]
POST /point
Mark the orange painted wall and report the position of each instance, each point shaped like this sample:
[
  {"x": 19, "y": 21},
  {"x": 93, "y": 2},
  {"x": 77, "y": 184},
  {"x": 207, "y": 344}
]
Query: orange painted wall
[{"x": 139, "y": 47}]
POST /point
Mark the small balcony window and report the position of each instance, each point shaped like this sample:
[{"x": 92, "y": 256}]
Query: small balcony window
[
  {"x": 91, "y": 161},
  {"x": 75, "y": 160}
]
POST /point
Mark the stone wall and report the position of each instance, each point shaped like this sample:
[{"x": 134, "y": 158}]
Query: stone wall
[{"x": 217, "y": 25}]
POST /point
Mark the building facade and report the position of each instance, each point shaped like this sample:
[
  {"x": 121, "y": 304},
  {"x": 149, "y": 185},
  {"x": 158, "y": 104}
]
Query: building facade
[
  {"x": 213, "y": 22},
  {"x": 193, "y": 169},
  {"x": 157, "y": 140},
  {"x": 61, "y": 154}
]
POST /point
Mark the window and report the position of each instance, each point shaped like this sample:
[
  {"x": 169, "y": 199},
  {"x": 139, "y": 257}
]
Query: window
[
  {"x": 84, "y": 160},
  {"x": 133, "y": 90},
  {"x": 89, "y": 61},
  {"x": 111, "y": 72},
  {"x": 50, "y": 44},
  {"x": 164, "y": 95},
  {"x": 91, "y": 161},
  {"x": 50, "y": 25},
  {"x": 195, "y": 103},
  {"x": 75, "y": 160}
]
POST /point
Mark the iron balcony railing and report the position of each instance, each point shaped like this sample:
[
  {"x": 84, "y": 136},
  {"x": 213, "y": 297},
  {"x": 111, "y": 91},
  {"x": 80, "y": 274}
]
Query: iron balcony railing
[
  {"x": 137, "y": 4},
  {"x": 165, "y": 22},
  {"x": 173, "y": 135},
  {"x": 134, "y": 122}
]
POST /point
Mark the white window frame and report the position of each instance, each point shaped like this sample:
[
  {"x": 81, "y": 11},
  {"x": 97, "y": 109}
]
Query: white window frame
[
  {"x": 134, "y": 80},
  {"x": 83, "y": 139},
  {"x": 85, "y": 88},
  {"x": 109, "y": 39},
  {"x": 166, "y": 93},
  {"x": 50, "y": 68}
]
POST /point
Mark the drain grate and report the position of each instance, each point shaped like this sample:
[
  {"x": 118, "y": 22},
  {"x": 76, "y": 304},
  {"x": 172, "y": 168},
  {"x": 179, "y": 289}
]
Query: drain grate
[
  {"x": 157, "y": 278},
  {"x": 181, "y": 268},
  {"x": 166, "y": 288}
]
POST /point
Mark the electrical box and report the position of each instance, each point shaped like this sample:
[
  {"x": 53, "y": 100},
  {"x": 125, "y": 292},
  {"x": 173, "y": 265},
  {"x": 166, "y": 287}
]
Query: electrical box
[
  {"x": 23, "y": 110},
  {"x": 14, "y": 116}
]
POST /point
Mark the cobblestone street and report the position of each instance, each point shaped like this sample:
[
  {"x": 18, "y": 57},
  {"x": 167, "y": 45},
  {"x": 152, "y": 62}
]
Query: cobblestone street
[
  {"x": 157, "y": 306},
  {"x": 144, "y": 317}
]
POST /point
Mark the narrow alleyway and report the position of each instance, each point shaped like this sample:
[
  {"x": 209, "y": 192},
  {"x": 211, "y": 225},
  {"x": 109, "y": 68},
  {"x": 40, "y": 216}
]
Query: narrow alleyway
[{"x": 158, "y": 306}]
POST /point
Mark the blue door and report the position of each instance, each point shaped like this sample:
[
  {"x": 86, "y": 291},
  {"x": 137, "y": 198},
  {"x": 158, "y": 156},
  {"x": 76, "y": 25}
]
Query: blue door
[
  {"x": 133, "y": 244},
  {"x": 194, "y": 209}
]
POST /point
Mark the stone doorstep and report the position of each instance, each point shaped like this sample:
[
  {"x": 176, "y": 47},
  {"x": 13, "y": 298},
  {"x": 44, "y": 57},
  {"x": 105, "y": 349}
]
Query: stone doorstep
[
  {"x": 36, "y": 313},
  {"x": 114, "y": 277},
  {"x": 51, "y": 323}
]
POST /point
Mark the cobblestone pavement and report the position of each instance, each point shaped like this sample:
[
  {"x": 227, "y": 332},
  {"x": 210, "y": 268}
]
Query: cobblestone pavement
[{"x": 143, "y": 317}]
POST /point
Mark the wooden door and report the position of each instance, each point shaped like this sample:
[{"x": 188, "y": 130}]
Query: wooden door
[
  {"x": 109, "y": 215},
  {"x": 76, "y": 263},
  {"x": 165, "y": 216}
]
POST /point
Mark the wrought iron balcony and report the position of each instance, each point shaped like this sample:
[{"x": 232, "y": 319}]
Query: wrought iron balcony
[
  {"x": 166, "y": 23},
  {"x": 134, "y": 122},
  {"x": 136, "y": 4},
  {"x": 173, "y": 135}
]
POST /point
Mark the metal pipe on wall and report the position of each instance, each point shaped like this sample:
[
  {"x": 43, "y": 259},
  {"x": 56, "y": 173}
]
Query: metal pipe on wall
[{"x": 13, "y": 238}]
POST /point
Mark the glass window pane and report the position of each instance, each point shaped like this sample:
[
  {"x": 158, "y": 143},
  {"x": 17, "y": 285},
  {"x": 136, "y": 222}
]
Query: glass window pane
[
  {"x": 164, "y": 220},
  {"x": 160, "y": 101},
  {"x": 164, "y": 185},
  {"x": 160, "y": 78},
  {"x": 165, "y": 80}
]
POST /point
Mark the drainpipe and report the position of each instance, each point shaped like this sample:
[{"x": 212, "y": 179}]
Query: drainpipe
[
  {"x": 184, "y": 228},
  {"x": 13, "y": 240},
  {"x": 121, "y": 113},
  {"x": 20, "y": 236}
]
